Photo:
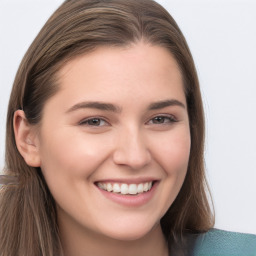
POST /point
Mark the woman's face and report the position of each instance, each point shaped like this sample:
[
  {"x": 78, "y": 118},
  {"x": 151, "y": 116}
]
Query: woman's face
[{"x": 114, "y": 141}]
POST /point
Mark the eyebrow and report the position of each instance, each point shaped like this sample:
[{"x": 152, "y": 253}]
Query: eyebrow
[
  {"x": 165, "y": 103},
  {"x": 113, "y": 108},
  {"x": 95, "y": 105}
]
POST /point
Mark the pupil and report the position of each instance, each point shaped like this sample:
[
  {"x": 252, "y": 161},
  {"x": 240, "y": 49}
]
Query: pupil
[
  {"x": 158, "y": 119},
  {"x": 94, "y": 121}
]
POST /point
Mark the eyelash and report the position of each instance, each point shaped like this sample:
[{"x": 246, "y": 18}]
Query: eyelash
[
  {"x": 165, "y": 120},
  {"x": 86, "y": 121}
]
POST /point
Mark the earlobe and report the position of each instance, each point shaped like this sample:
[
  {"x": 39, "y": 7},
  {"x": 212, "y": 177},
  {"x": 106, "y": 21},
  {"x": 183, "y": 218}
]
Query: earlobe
[{"x": 26, "y": 139}]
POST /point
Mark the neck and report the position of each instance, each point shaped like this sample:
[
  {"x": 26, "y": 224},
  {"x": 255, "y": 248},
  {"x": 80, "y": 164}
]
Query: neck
[{"x": 84, "y": 242}]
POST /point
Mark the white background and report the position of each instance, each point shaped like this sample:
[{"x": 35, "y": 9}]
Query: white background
[{"x": 222, "y": 38}]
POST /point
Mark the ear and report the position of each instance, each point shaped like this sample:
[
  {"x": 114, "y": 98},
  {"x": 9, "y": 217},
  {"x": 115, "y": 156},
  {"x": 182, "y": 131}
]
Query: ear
[{"x": 26, "y": 139}]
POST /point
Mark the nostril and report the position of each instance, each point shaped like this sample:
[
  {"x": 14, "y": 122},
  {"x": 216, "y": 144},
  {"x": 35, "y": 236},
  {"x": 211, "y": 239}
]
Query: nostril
[
  {"x": 134, "y": 161},
  {"x": 132, "y": 150}
]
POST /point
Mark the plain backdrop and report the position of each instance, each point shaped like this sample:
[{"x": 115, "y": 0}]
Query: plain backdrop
[{"x": 222, "y": 37}]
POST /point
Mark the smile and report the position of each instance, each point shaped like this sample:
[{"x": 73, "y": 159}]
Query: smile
[{"x": 125, "y": 189}]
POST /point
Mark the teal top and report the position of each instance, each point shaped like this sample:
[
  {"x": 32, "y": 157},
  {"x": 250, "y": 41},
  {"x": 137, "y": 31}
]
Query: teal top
[{"x": 223, "y": 243}]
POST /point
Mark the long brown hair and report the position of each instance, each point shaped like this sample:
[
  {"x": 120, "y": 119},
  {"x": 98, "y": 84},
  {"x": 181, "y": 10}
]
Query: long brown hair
[{"x": 28, "y": 222}]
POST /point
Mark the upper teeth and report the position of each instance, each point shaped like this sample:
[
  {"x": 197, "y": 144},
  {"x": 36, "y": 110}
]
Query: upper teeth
[{"x": 124, "y": 189}]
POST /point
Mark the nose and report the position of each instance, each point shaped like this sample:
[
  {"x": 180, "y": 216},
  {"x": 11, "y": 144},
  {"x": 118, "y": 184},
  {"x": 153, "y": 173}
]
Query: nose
[{"x": 131, "y": 150}]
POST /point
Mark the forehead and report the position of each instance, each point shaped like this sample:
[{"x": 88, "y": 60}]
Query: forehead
[{"x": 137, "y": 71}]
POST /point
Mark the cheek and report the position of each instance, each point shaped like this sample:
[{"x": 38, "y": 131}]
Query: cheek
[
  {"x": 176, "y": 164},
  {"x": 173, "y": 156},
  {"x": 173, "y": 153},
  {"x": 68, "y": 163},
  {"x": 68, "y": 157}
]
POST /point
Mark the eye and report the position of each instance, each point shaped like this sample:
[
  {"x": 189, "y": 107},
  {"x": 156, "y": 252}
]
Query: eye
[
  {"x": 162, "y": 119},
  {"x": 95, "y": 121}
]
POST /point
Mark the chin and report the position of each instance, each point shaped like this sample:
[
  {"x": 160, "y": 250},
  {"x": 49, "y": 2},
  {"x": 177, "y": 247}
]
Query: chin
[{"x": 132, "y": 232}]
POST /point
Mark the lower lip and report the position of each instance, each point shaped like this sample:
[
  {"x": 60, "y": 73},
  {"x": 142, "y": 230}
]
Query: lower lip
[{"x": 130, "y": 200}]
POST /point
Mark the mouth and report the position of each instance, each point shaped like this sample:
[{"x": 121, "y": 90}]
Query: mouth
[
  {"x": 128, "y": 193},
  {"x": 125, "y": 188}
]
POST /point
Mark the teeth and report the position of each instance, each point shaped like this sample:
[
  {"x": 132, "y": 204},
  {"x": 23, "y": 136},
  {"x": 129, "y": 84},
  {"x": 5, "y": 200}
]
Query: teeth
[
  {"x": 116, "y": 188},
  {"x": 124, "y": 189},
  {"x": 140, "y": 188},
  {"x": 100, "y": 185},
  {"x": 145, "y": 187},
  {"x": 133, "y": 189},
  {"x": 109, "y": 187}
]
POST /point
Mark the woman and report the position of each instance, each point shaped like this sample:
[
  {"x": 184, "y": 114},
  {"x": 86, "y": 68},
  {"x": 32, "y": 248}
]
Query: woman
[{"x": 105, "y": 134}]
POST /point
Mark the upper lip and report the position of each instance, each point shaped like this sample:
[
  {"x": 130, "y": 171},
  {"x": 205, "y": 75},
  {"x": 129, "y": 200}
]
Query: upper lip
[{"x": 128, "y": 181}]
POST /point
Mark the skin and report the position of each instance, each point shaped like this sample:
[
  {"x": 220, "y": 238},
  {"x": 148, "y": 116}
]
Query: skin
[{"x": 128, "y": 144}]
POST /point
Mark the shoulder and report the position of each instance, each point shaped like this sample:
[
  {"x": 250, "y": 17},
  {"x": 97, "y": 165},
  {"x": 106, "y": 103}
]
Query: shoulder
[{"x": 217, "y": 242}]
